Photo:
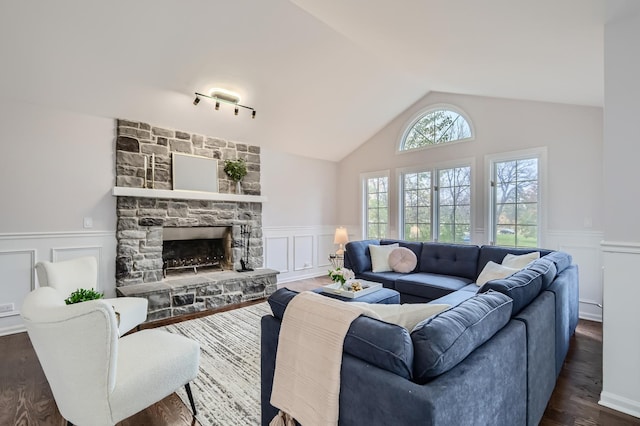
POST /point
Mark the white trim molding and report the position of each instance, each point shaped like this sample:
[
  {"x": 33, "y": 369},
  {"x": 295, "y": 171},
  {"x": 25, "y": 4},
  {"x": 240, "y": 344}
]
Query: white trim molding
[{"x": 621, "y": 327}]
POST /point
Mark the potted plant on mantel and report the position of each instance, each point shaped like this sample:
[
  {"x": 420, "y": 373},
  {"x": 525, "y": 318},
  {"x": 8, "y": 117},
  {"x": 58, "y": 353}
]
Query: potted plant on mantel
[{"x": 236, "y": 170}]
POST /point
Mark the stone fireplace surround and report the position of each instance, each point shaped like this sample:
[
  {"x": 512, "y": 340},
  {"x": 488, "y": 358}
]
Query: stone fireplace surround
[{"x": 142, "y": 219}]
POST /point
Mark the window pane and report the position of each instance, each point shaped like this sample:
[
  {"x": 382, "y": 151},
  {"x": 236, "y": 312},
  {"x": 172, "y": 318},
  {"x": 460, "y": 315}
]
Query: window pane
[
  {"x": 435, "y": 127},
  {"x": 377, "y": 207},
  {"x": 454, "y": 205},
  {"x": 515, "y": 197}
]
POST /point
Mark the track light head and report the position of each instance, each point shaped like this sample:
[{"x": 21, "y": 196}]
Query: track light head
[
  {"x": 217, "y": 104},
  {"x": 253, "y": 114},
  {"x": 196, "y": 101},
  {"x": 235, "y": 111}
]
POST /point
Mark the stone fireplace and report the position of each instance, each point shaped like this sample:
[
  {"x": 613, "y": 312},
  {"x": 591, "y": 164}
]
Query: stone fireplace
[{"x": 181, "y": 249}]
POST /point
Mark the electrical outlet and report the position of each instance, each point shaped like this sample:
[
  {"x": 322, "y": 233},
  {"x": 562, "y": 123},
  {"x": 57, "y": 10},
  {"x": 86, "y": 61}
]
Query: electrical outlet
[
  {"x": 7, "y": 307},
  {"x": 88, "y": 222}
]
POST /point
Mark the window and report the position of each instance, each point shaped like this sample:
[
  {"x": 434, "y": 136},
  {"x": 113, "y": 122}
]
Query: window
[
  {"x": 417, "y": 206},
  {"x": 454, "y": 205},
  {"x": 434, "y": 127},
  {"x": 440, "y": 211},
  {"x": 376, "y": 190},
  {"x": 515, "y": 202}
]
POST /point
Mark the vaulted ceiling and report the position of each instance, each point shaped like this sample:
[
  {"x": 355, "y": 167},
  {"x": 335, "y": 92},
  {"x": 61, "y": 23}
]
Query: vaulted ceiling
[{"x": 324, "y": 76}]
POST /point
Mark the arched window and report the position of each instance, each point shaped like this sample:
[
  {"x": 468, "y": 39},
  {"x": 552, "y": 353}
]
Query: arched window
[{"x": 436, "y": 126}]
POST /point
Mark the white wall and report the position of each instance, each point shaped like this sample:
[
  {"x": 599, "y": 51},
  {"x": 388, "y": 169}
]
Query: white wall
[
  {"x": 572, "y": 136},
  {"x": 621, "y": 325},
  {"x": 299, "y": 218}
]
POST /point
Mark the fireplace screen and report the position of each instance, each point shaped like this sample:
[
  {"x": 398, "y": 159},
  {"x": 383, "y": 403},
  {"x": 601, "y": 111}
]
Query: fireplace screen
[{"x": 192, "y": 249}]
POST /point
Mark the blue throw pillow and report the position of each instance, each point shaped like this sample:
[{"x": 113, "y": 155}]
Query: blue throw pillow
[
  {"x": 446, "y": 339},
  {"x": 522, "y": 287},
  {"x": 546, "y": 268}
]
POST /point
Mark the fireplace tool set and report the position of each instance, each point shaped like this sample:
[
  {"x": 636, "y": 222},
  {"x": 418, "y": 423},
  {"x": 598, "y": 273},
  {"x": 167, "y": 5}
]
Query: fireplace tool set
[{"x": 245, "y": 235}]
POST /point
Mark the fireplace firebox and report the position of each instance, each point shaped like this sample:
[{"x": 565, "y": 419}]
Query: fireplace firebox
[{"x": 196, "y": 248}]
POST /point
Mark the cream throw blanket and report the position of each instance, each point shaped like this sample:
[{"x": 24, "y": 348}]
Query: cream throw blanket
[{"x": 306, "y": 383}]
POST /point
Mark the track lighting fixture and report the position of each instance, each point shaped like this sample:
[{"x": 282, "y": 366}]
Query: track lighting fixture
[{"x": 222, "y": 95}]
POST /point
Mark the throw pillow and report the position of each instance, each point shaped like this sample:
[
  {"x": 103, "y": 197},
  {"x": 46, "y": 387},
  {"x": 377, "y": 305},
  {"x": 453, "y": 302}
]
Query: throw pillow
[
  {"x": 494, "y": 271},
  {"x": 402, "y": 260},
  {"x": 407, "y": 315},
  {"x": 519, "y": 262},
  {"x": 380, "y": 257}
]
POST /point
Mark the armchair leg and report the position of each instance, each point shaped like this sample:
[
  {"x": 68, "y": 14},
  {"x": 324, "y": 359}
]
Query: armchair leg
[{"x": 187, "y": 387}]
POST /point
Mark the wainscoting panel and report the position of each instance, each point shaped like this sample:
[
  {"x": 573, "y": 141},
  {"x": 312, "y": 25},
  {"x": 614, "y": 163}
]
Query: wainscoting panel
[
  {"x": 20, "y": 252},
  {"x": 276, "y": 253},
  {"x": 621, "y": 327},
  {"x": 302, "y": 252},
  {"x": 17, "y": 280},
  {"x": 306, "y": 248},
  {"x": 325, "y": 248},
  {"x": 585, "y": 249}
]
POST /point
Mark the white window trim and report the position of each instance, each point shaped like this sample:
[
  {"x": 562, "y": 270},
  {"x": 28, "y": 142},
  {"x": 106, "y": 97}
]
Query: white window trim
[
  {"x": 541, "y": 154},
  {"x": 422, "y": 112},
  {"x": 433, "y": 168},
  {"x": 363, "y": 199}
]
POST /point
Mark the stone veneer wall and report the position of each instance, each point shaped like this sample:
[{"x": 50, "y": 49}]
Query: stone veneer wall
[{"x": 140, "y": 220}]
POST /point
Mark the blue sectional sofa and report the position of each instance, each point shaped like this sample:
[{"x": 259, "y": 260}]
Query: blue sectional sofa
[{"x": 492, "y": 358}]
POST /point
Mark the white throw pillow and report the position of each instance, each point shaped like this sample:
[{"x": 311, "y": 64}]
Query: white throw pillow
[
  {"x": 380, "y": 257},
  {"x": 494, "y": 271},
  {"x": 513, "y": 261},
  {"x": 407, "y": 315}
]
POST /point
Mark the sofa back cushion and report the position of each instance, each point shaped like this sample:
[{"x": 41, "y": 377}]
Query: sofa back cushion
[
  {"x": 522, "y": 287},
  {"x": 446, "y": 339},
  {"x": 561, "y": 259},
  {"x": 458, "y": 260},
  {"x": 414, "y": 246},
  {"x": 357, "y": 256},
  {"x": 547, "y": 270},
  {"x": 379, "y": 343},
  {"x": 496, "y": 254}
]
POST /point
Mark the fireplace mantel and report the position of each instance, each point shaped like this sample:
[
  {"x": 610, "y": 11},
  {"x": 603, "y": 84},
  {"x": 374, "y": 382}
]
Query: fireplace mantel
[{"x": 122, "y": 191}]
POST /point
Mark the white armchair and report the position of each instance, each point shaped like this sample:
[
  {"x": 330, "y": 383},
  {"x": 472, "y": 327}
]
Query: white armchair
[
  {"x": 69, "y": 275},
  {"x": 97, "y": 378}
]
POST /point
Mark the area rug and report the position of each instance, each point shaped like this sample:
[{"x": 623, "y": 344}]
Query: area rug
[{"x": 227, "y": 389}]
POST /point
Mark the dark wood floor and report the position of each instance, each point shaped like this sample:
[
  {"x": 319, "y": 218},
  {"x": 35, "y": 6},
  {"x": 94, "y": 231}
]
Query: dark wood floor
[{"x": 25, "y": 396}]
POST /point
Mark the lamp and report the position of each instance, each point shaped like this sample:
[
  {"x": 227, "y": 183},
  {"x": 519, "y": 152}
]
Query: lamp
[
  {"x": 226, "y": 96},
  {"x": 341, "y": 237}
]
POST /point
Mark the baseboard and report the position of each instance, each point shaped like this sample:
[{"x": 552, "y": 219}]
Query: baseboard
[
  {"x": 5, "y": 331},
  {"x": 590, "y": 317},
  {"x": 620, "y": 403}
]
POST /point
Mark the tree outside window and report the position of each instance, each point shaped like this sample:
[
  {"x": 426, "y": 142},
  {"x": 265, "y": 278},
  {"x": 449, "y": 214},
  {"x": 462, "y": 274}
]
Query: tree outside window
[
  {"x": 454, "y": 205},
  {"x": 377, "y": 207},
  {"x": 436, "y": 126},
  {"x": 516, "y": 193}
]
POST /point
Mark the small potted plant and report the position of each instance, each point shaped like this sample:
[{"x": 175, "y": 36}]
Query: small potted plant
[
  {"x": 84, "y": 295},
  {"x": 236, "y": 170}
]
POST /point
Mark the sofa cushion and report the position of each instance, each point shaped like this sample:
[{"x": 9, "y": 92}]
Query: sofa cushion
[
  {"x": 380, "y": 257},
  {"x": 519, "y": 261},
  {"x": 429, "y": 286},
  {"x": 457, "y": 297},
  {"x": 546, "y": 268},
  {"x": 561, "y": 259},
  {"x": 387, "y": 279},
  {"x": 494, "y": 271},
  {"x": 444, "y": 340},
  {"x": 357, "y": 257},
  {"x": 522, "y": 287},
  {"x": 402, "y": 260},
  {"x": 414, "y": 246},
  {"x": 385, "y": 345},
  {"x": 458, "y": 260}
]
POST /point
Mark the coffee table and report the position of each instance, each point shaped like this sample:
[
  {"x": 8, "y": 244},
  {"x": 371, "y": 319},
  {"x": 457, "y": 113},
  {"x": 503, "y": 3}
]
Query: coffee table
[{"x": 384, "y": 296}]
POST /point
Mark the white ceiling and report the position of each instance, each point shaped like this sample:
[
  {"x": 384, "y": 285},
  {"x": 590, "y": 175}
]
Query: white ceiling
[{"x": 324, "y": 76}]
